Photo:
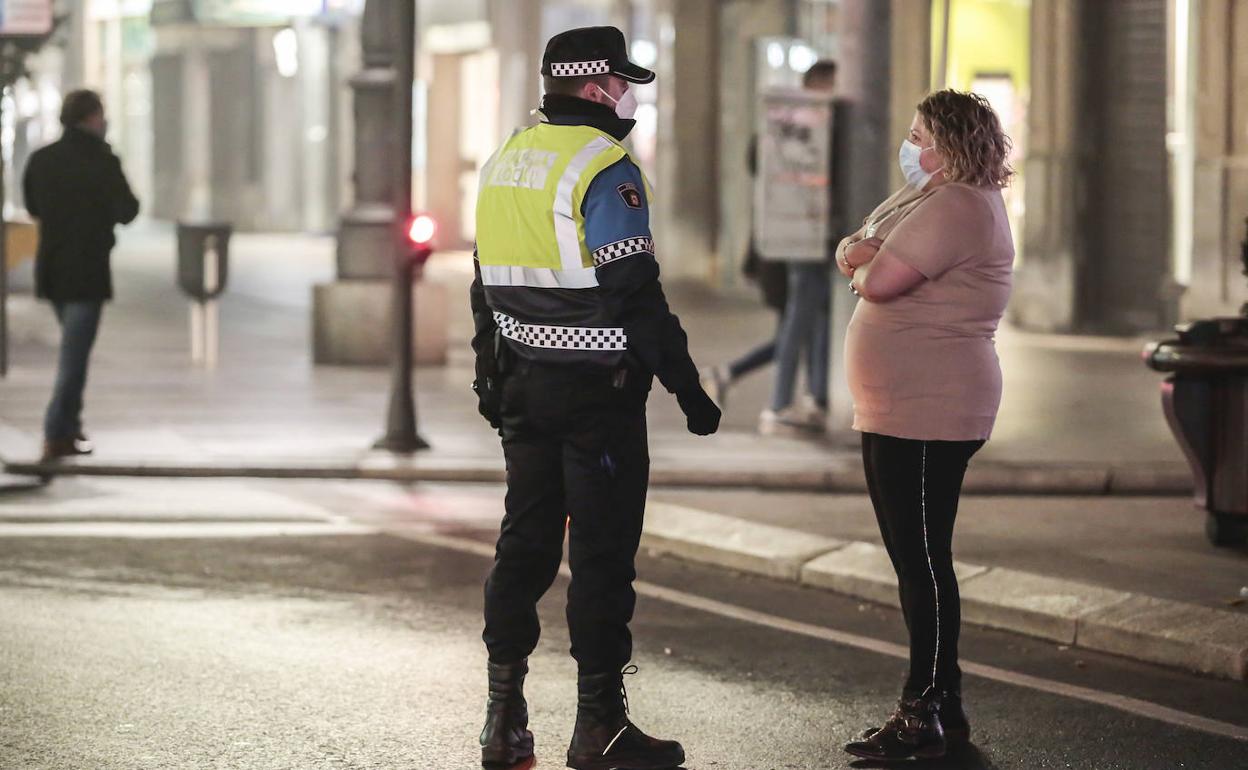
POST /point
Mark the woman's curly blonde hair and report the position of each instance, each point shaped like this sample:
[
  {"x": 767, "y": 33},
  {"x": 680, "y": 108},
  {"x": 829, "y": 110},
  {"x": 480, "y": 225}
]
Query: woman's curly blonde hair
[{"x": 968, "y": 134}]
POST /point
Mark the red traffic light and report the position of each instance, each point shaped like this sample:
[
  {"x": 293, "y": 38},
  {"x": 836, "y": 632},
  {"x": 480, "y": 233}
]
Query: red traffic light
[{"x": 421, "y": 230}]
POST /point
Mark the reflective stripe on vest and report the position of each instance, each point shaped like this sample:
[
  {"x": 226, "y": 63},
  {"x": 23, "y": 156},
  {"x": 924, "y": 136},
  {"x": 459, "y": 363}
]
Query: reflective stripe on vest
[
  {"x": 539, "y": 277},
  {"x": 561, "y": 337}
]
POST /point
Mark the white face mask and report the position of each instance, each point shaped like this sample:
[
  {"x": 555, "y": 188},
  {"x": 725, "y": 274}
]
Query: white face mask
[
  {"x": 909, "y": 157},
  {"x": 625, "y": 106}
]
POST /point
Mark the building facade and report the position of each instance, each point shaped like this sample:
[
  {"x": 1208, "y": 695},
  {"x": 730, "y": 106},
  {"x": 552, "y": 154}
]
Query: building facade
[{"x": 1128, "y": 120}]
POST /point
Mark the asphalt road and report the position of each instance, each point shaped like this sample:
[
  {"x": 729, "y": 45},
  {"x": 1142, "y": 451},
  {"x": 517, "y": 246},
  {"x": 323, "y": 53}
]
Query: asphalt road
[{"x": 363, "y": 651}]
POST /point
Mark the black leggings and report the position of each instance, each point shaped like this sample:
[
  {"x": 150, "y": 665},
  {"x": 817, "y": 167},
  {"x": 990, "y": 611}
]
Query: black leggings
[{"x": 914, "y": 488}]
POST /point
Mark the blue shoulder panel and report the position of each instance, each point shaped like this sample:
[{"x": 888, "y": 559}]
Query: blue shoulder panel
[{"x": 617, "y": 214}]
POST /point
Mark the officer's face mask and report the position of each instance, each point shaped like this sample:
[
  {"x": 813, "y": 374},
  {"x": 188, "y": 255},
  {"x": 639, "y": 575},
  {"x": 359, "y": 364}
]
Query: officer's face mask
[
  {"x": 625, "y": 106},
  {"x": 910, "y": 157}
]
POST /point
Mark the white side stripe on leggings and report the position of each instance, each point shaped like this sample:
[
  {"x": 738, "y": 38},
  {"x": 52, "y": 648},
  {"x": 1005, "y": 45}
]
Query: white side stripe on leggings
[{"x": 928, "y": 550}]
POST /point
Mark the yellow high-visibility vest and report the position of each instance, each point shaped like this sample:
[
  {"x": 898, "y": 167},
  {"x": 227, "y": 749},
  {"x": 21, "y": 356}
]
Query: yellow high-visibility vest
[{"x": 529, "y": 220}]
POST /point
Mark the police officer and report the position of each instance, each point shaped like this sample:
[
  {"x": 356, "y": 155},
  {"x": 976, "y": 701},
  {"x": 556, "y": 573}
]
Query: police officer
[{"x": 571, "y": 328}]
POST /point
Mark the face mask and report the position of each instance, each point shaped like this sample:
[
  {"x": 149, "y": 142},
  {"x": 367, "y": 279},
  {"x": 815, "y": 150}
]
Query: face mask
[
  {"x": 625, "y": 106},
  {"x": 908, "y": 157}
]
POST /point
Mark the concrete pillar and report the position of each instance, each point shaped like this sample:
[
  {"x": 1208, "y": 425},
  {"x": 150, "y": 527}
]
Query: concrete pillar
[
  {"x": 197, "y": 139},
  {"x": 517, "y": 27},
  {"x": 686, "y": 215},
  {"x": 1045, "y": 282},
  {"x": 350, "y": 316},
  {"x": 741, "y": 23},
  {"x": 1220, "y": 173},
  {"x": 910, "y": 64},
  {"x": 444, "y": 195},
  {"x": 364, "y": 243},
  {"x": 865, "y": 83}
]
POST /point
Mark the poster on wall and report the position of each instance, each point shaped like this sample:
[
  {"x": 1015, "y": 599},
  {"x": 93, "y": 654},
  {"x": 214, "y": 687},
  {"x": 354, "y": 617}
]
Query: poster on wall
[
  {"x": 792, "y": 196},
  {"x": 25, "y": 17}
]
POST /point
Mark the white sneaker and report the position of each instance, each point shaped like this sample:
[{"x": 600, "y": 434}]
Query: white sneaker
[
  {"x": 815, "y": 416},
  {"x": 715, "y": 382},
  {"x": 787, "y": 422}
]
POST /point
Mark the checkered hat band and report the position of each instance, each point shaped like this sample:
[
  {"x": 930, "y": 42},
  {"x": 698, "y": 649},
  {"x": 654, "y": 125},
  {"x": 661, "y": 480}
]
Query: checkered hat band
[
  {"x": 561, "y": 337},
  {"x": 625, "y": 248},
  {"x": 576, "y": 69}
]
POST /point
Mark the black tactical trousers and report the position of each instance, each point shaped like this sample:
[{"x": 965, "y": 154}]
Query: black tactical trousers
[{"x": 574, "y": 438}]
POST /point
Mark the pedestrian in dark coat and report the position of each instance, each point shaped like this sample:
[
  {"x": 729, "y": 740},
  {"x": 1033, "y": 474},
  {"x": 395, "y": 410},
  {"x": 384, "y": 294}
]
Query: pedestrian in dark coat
[{"x": 76, "y": 189}]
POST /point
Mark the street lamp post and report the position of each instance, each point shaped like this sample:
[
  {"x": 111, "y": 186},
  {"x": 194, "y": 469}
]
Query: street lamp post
[{"x": 412, "y": 239}]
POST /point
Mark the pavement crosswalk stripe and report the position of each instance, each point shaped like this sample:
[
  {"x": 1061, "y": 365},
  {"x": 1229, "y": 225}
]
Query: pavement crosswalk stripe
[{"x": 1111, "y": 700}]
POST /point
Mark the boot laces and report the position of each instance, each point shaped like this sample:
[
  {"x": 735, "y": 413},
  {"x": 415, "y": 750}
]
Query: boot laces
[{"x": 628, "y": 670}]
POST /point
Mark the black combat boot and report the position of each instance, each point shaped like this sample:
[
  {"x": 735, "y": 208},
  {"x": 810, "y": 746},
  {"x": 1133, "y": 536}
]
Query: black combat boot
[
  {"x": 506, "y": 740},
  {"x": 952, "y": 720},
  {"x": 912, "y": 732},
  {"x": 604, "y": 739}
]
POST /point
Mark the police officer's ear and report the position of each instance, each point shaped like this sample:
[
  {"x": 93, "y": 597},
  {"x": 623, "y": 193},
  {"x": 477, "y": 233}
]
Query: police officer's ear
[{"x": 601, "y": 90}]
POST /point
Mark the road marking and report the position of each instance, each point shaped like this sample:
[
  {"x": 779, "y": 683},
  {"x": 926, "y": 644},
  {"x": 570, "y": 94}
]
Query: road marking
[
  {"x": 141, "y": 530},
  {"x": 1115, "y": 701}
]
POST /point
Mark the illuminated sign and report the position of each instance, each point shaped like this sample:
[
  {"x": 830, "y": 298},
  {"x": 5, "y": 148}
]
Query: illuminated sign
[
  {"x": 25, "y": 17},
  {"x": 241, "y": 13}
]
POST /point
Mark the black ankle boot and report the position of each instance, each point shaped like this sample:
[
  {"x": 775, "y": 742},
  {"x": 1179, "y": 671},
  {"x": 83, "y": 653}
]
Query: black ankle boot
[
  {"x": 506, "y": 740},
  {"x": 952, "y": 720},
  {"x": 604, "y": 739},
  {"x": 912, "y": 732}
]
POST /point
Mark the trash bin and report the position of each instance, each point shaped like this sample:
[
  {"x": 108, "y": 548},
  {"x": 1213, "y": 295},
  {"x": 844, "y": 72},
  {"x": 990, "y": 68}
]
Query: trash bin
[
  {"x": 1205, "y": 399},
  {"x": 203, "y": 258}
]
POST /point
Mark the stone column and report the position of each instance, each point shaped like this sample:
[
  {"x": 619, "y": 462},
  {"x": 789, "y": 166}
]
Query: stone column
[
  {"x": 865, "y": 78},
  {"x": 1045, "y": 283},
  {"x": 1220, "y": 174},
  {"x": 742, "y": 22},
  {"x": 910, "y": 63},
  {"x": 350, "y": 315},
  {"x": 517, "y": 27},
  {"x": 686, "y": 212},
  {"x": 364, "y": 242}
]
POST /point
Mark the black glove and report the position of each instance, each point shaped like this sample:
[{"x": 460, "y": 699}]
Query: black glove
[
  {"x": 489, "y": 400},
  {"x": 701, "y": 414}
]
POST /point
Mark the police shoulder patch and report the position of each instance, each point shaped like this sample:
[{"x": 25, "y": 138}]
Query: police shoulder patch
[{"x": 632, "y": 197}]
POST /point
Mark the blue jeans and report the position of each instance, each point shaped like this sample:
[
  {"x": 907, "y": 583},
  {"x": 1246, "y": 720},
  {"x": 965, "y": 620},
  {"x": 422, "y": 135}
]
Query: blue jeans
[
  {"x": 756, "y": 358},
  {"x": 803, "y": 335},
  {"x": 79, "y": 323}
]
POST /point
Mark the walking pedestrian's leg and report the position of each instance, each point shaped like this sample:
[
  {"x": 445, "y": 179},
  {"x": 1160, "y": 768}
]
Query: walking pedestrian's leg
[
  {"x": 820, "y": 339},
  {"x": 756, "y": 358},
  {"x": 793, "y": 336},
  {"x": 80, "y": 323}
]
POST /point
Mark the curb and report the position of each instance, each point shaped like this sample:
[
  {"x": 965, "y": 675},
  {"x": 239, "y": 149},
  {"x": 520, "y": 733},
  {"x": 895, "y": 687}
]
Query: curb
[
  {"x": 984, "y": 478},
  {"x": 1144, "y": 628}
]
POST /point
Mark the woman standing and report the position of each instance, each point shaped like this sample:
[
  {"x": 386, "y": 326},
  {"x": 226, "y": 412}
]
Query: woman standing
[{"x": 933, "y": 267}]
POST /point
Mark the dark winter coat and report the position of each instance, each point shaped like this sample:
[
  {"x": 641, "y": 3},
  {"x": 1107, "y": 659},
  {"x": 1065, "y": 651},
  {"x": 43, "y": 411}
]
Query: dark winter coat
[{"x": 76, "y": 189}]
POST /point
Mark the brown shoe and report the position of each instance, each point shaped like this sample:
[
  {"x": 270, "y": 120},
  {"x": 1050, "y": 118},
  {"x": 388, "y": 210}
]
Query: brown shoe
[{"x": 59, "y": 448}]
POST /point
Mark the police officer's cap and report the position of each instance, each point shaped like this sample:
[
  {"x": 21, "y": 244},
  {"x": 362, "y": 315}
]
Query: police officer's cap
[{"x": 591, "y": 51}]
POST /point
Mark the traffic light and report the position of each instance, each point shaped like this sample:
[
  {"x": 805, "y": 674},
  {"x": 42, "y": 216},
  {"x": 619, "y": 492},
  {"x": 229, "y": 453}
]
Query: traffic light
[{"x": 421, "y": 230}]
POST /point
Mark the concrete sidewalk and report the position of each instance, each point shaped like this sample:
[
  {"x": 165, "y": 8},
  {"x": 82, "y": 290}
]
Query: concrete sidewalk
[
  {"x": 1080, "y": 415},
  {"x": 1080, "y": 613}
]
